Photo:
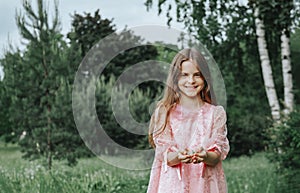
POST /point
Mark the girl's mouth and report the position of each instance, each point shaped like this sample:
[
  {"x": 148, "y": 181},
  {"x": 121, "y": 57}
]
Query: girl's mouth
[{"x": 191, "y": 87}]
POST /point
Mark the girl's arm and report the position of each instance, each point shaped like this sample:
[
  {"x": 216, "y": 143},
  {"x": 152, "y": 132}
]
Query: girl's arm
[
  {"x": 172, "y": 159},
  {"x": 220, "y": 148},
  {"x": 212, "y": 158}
]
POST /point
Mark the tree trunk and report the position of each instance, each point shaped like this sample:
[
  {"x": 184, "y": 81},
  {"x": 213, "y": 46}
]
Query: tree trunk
[
  {"x": 287, "y": 73},
  {"x": 266, "y": 67}
]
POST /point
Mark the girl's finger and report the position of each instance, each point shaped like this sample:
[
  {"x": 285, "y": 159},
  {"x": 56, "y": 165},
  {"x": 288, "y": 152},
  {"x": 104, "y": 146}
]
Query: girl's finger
[
  {"x": 186, "y": 160},
  {"x": 182, "y": 156}
]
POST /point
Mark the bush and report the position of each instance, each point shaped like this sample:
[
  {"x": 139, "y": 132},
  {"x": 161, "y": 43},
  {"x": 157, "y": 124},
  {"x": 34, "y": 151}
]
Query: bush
[{"x": 285, "y": 152}]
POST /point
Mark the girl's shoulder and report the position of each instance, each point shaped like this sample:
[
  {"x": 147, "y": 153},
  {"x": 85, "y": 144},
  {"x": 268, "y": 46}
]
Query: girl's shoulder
[
  {"x": 218, "y": 112},
  {"x": 215, "y": 109}
]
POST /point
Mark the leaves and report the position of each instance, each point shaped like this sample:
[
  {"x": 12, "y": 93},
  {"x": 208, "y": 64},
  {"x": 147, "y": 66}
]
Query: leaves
[{"x": 284, "y": 149}]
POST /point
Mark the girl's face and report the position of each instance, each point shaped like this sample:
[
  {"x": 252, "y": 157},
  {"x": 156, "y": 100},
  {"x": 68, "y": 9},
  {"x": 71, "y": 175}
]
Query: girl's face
[{"x": 190, "y": 82}]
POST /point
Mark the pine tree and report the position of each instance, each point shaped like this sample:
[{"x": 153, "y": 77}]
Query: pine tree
[{"x": 38, "y": 81}]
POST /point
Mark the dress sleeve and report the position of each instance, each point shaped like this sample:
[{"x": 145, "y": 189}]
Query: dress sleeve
[
  {"x": 219, "y": 132},
  {"x": 163, "y": 139}
]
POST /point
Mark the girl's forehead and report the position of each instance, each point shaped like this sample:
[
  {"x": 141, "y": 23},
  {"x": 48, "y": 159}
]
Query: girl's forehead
[{"x": 190, "y": 65}]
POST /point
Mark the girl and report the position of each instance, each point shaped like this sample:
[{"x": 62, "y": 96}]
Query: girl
[{"x": 188, "y": 131}]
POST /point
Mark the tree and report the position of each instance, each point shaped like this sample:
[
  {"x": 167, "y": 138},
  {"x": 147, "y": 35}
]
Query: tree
[
  {"x": 279, "y": 15},
  {"x": 266, "y": 67},
  {"x": 38, "y": 83},
  {"x": 285, "y": 23},
  {"x": 87, "y": 30}
]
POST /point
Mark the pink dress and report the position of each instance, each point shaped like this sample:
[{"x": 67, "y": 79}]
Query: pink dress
[{"x": 187, "y": 128}]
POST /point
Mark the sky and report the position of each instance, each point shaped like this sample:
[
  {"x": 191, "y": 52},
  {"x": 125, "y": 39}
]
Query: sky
[{"x": 130, "y": 13}]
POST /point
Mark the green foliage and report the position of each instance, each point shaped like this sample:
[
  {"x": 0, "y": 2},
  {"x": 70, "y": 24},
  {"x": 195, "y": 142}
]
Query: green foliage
[
  {"x": 136, "y": 54},
  {"x": 295, "y": 57},
  {"x": 246, "y": 128},
  {"x": 166, "y": 52},
  {"x": 285, "y": 151},
  {"x": 278, "y": 14},
  {"x": 38, "y": 89},
  {"x": 87, "y": 30},
  {"x": 132, "y": 107},
  {"x": 6, "y": 131},
  {"x": 7, "y": 88}
]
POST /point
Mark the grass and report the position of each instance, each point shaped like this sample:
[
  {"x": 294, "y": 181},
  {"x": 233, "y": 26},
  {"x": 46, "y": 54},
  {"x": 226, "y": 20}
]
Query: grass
[
  {"x": 250, "y": 174},
  {"x": 244, "y": 175}
]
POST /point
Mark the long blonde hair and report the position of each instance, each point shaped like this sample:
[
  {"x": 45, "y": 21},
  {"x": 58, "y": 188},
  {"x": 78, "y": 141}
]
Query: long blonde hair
[{"x": 171, "y": 93}]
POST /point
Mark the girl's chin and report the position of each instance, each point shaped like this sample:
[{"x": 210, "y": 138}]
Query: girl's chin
[{"x": 191, "y": 94}]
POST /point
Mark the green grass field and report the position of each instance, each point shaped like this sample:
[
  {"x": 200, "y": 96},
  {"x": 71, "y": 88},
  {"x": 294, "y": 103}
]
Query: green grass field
[{"x": 244, "y": 175}]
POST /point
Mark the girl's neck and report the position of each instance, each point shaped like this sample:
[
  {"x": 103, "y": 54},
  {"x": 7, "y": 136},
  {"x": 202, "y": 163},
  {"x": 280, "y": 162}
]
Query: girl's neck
[{"x": 191, "y": 103}]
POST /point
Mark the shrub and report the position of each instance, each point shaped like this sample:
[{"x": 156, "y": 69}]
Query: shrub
[{"x": 285, "y": 152}]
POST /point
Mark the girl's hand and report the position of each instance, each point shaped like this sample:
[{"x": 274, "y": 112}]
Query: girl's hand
[
  {"x": 199, "y": 156},
  {"x": 184, "y": 157}
]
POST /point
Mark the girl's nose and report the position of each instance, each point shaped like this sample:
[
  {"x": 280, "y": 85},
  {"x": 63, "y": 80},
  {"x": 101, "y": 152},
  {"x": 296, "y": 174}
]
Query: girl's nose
[{"x": 191, "y": 79}]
